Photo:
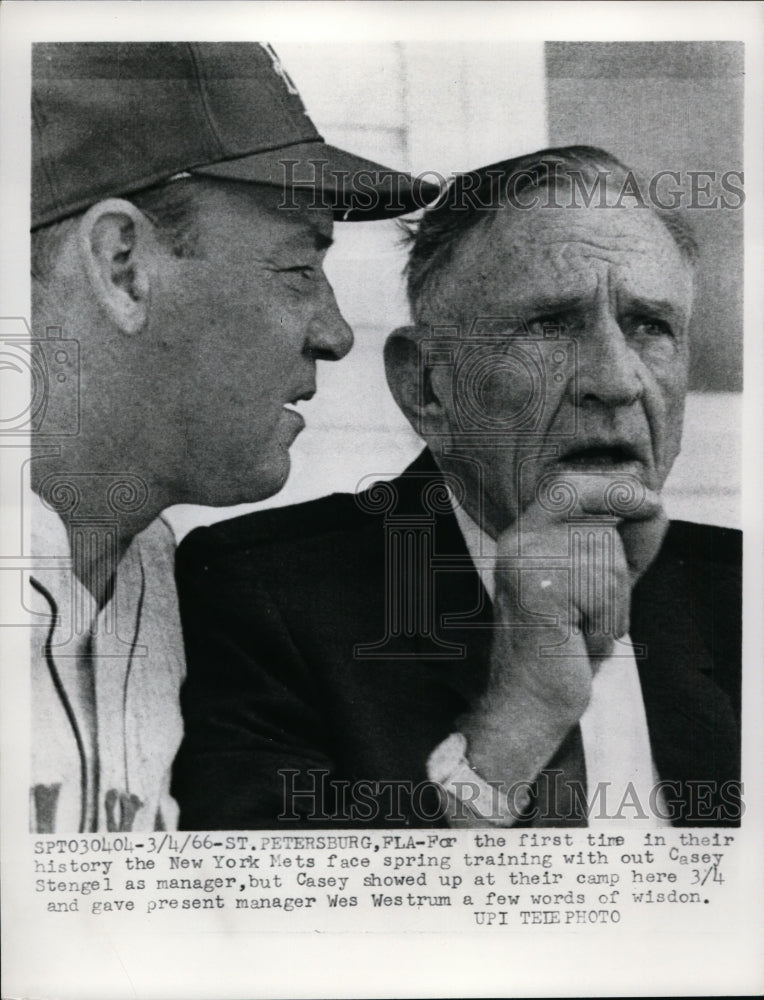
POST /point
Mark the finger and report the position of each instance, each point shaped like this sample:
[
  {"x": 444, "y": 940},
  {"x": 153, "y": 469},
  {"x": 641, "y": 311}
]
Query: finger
[
  {"x": 525, "y": 596},
  {"x": 601, "y": 584},
  {"x": 588, "y": 584},
  {"x": 642, "y": 507},
  {"x": 560, "y": 496}
]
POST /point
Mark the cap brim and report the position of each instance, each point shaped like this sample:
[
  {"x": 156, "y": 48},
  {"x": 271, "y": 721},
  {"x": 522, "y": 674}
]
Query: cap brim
[{"x": 355, "y": 189}]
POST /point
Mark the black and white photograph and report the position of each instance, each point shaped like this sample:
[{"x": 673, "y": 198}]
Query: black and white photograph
[{"x": 378, "y": 486}]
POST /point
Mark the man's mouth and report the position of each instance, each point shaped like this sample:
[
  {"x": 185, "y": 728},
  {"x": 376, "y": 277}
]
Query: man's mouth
[
  {"x": 306, "y": 395},
  {"x": 599, "y": 456}
]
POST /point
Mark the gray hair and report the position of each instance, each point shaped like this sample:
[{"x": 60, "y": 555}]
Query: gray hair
[{"x": 475, "y": 196}]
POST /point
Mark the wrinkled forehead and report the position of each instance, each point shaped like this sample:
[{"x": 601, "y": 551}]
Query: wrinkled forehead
[{"x": 517, "y": 258}]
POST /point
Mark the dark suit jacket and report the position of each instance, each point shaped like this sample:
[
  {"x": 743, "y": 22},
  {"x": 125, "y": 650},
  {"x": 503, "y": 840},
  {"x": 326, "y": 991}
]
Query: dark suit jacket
[{"x": 347, "y": 635}]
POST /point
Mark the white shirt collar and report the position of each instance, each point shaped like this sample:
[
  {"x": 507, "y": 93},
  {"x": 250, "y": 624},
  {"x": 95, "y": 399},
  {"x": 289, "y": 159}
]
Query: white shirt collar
[{"x": 480, "y": 545}]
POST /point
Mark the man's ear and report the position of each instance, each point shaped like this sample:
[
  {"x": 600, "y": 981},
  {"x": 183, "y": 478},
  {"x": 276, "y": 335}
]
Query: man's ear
[
  {"x": 410, "y": 379},
  {"x": 115, "y": 238}
]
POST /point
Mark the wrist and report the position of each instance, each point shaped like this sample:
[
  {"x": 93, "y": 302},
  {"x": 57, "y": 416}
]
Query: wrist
[{"x": 512, "y": 742}]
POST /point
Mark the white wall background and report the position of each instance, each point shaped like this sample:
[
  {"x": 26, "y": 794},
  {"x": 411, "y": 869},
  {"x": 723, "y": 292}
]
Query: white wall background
[{"x": 444, "y": 107}]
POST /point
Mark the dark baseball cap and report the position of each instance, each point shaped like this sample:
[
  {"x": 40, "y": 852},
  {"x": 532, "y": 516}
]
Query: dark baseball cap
[{"x": 114, "y": 118}]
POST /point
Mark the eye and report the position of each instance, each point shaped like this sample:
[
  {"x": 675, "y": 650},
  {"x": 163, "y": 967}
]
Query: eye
[
  {"x": 550, "y": 325},
  {"x": 647, "y": 327},
  {"x": 302, "y": 270}
]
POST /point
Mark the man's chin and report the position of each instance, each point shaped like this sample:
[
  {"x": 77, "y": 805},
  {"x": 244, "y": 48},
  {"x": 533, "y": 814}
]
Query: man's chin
[
  {"x": 261, "y": 483},
  {"x": 271, "y": 479}
]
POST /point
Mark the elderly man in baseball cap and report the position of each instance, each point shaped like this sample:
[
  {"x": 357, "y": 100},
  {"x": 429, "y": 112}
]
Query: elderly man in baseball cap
[{"x": 182, "y": 204}]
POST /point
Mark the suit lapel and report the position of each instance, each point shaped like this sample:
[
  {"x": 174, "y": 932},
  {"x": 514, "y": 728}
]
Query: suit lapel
[
  {"x": 461, "y": 614},
  {"x": 693, "y": 732}
]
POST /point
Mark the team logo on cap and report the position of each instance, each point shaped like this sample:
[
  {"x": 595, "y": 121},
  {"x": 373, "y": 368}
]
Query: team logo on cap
[{"x": 278, "y": 68}]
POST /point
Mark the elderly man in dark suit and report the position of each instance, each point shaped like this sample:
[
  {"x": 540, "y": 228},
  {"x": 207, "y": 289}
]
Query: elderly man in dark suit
[{"x": 511, "y": 632}]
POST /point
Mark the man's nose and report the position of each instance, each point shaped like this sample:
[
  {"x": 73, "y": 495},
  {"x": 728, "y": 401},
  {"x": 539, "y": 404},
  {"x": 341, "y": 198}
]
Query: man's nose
[
  {"x": 609, "y": 369},
  {"x": 329, "y": 337}
]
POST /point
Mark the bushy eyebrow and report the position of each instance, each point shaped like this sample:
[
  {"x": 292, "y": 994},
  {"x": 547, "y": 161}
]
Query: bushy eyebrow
[
  {"x": 569, "y": 304},
  {"x": 662, "y": 308},
  {"x": 553, "y": 304}
]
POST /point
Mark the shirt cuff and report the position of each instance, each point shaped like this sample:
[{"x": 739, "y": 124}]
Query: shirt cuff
[{"x": 469, "y": 799}]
